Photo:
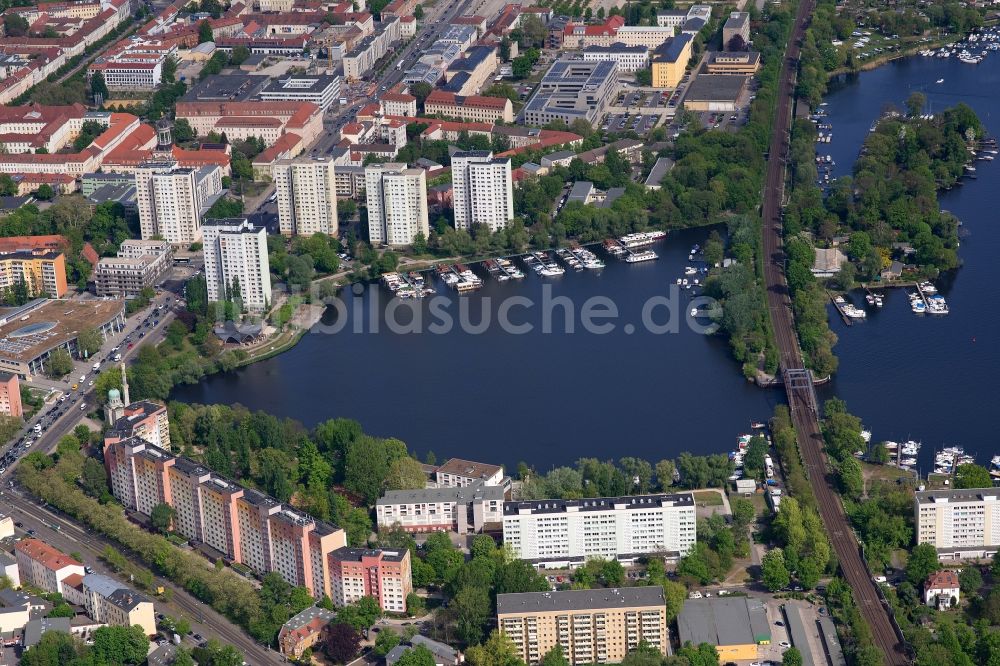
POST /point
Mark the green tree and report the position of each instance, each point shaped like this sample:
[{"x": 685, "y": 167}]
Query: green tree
[
  {"x": 417, "y": 656},
  {"x": 183, "y": 132},
  {"x": 239, "y": 55},
  {"x": 971, "y": 475},
  {"x": 8, "y": 187},
  {"x": 205, "y": 32},
  {"x": 98, "y": 85},
  {"x": 418, "y": 12},
  {"x": 421, "y": 90},
  {"x": 386, "y": 640},
  {"x": 555, "y": 657},
  {"x": 970, "y": 580},
  {"x": 773, "y": 570},
  {"x": 675, "y": 594},
  {"x": 89, "y": 341},
  {"x": 791, "y": 657},
  {"x": 15, "y": 25},
  {"x": 45, "y": 192},
  {"x": 162, "y": 517},
  {"x": 59, "y": 363},
  {"x": 95, "y": 479},
  {"x": 497, "y": 650},
  {"x": 120, "y": 645},
  {"x": 923, "y": 561}
]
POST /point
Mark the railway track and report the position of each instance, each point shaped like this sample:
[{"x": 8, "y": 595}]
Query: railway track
[{"x": 800, "y": 399}]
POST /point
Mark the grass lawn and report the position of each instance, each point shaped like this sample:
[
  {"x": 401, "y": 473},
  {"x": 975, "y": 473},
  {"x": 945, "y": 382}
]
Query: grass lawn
[{"x": 707, "y": 498}]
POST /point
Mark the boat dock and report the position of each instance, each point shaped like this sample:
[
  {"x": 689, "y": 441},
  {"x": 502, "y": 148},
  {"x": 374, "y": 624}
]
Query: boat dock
[{"x": 840, "y": 308}]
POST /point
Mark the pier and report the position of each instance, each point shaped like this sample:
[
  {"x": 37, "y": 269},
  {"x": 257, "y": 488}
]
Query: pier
[{"x": 840, "y": 309}]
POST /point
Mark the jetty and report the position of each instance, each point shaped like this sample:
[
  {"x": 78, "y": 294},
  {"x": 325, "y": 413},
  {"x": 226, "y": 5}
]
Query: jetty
[{"x": 840, "y": 309}]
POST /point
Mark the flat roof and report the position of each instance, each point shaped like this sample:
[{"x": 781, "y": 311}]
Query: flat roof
[
  {"x": 226, "y": 88},
  {"x": 469, "y": 468},
  {"x": 797, "y": 630},
  {"x": 628, "y": 502},
  {"x": 53, "y": 324},
  {"x": 476, "y": 491},
  {"x": 732, "y": 621},
  {"x": 716, "y": 87},
  {"x": 960, "y": 495},
  {"x": 575, "y": 600}
]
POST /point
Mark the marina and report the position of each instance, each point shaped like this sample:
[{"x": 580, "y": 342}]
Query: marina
[{"x": 943, "y": 363}]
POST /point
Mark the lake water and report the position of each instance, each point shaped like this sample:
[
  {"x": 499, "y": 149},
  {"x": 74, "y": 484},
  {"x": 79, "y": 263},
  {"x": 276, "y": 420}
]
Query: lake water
[
  {"x": 925, "y": 377},
  {"x": 549, "y": 399},
  {"x": 544, "y": 398}
]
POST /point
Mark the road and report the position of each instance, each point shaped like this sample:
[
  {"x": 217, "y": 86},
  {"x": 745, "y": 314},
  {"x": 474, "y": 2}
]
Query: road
[
  {"x": 70, "y": 537},
  {"x": 801, "y": 401}
]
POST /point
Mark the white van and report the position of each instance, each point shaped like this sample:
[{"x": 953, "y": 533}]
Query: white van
[{"x": 97, "y": 366}]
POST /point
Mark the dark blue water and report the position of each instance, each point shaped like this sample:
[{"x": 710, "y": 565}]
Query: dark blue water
[
  {"x": 546, "y": 399},
  {"x": 928, "y": 378}
]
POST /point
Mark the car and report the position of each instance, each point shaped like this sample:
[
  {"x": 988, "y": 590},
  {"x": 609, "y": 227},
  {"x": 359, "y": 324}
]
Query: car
[
  {"x": 88, "y": 570},
  {"x": 30, "y": 532},
  {"x": 83, "y": 406},
  {"x": 756, "y": 663},
  {"x": 198, "y": 637},
  {"x": 18, "y": 524},
  {"x": 822, "y": 610},
  {"x": 75, "y": 386},
  {"x": 779, "y": 623},
  {"x": 785, "y": 644}
]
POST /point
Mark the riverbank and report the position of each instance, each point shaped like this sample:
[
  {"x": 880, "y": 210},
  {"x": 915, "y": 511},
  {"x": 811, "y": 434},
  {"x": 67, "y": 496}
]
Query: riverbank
[{"x": 879, "y": 61}]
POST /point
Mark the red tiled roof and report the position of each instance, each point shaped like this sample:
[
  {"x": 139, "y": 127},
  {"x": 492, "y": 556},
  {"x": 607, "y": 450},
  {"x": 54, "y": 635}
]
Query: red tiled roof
[
  {"x": 941, "y": 580},
  {"x": 471, "y": 101},
  {"x": 285, "y": 143},
  {"x": 46, "y": 555}
]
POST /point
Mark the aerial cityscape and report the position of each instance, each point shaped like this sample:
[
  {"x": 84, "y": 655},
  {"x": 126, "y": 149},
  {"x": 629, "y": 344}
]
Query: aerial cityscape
[{"x": 554, "y": 333}]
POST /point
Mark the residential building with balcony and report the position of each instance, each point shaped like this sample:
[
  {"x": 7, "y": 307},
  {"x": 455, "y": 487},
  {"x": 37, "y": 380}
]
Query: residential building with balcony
[
  {"x": 961, "y": 524},
  {"x": 460, "y": 509},
  {"x": 382, "y": 574},
  {"x": 560, "y": 533},
  {"x": 591, "y": 626}
]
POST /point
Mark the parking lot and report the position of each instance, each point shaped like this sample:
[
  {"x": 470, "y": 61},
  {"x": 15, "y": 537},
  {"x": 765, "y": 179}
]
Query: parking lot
[{"x": 623, "y": 122}]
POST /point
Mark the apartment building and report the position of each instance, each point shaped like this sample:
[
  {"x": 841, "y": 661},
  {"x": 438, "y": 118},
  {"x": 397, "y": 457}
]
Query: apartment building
[
  {"x": 43, "y": 566},
  {"x": 398, "y": 104},
  {"x": 320, "y": 89},
  {"x": 172, "y": 200},
  {"x": 459, "y": 509},
  {"x": 459, "y": 473},
  {"x": 108, "y": 601},
  {"x": 143, "y": 419},
  {"x": 243, "y": 525},
  {"x": 139, "y": 264},
  {"x": 41, "y": 272},
  {"x": 471, "y": 108},
  {"x": 266, "y": 120},
  {"x": 482, "y": 189},
  {"x": 560, "y": 533},
  {"x": 670, "y": 61},
  {"x": 236, "y": 263},
  {"x": 732, "y": 62},
  {"x": 397, "y": 204},
  {"x": 571, "y": 90},
  {"x": 737, "y": 25},
  {"x": 382, "y": 574},
  {"x": 10, "y": 395},
  {"x": 362, "y": 58},
  {"x": 592, "y": 626},
  {"x": 307, "y": 196},
  {"x": 133, "y": 65},
  {"x": 304, "y": 630},
  {"x": 628, "y": 58},
  {"x": 961, "y": 524}
]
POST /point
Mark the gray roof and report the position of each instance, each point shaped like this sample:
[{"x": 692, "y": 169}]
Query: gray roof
[
  {"x": 797, "y": 628},
  {"x": 577, "y": 600},
  {"x": 307, "y": 616},
  {"x": 580, "y": 191},
  {"x": 35, "y": 628},
  {"x": 660, "y": 169},
  {"x": 732, "y": 621},
  {"x": 116, "y": 593},
  {"x": 226, "y": 88},
  {"x": 828, "y": 632},
  {"x": 6, "y": 559},
  {"x": 436, "y": 647},
  {"x": 476, "y": 491},
  {"x": 716, "y": 87},
  {"x": 961, "y": 495},
  {"x": 613, "y": 195},
  {"x": 598, "y": 503},
  {"x": 670, "y": 50}
]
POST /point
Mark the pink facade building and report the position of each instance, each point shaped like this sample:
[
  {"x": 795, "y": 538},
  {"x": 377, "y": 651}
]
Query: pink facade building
[
  {"x": 383, "y": 574},
  {"x": 243, "y": 525}
]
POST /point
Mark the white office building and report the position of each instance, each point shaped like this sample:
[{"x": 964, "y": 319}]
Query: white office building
[
  {"x": 172, "y": 200},
  {"x": 397, "y": 204},
  {"x": 307, "y": 196},
  {"x": 320, "y": 89},
  {"x": 961, "y": 524},
  {"x": 560, "y": 533},
  {"x": 481, "y": 189},
  {"x": 236, "y": 262}
]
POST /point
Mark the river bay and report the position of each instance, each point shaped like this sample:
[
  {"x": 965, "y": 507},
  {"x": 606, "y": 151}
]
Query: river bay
[
  {"x": 928, "y": 378},
  {"x": 544, "y": 398}
]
